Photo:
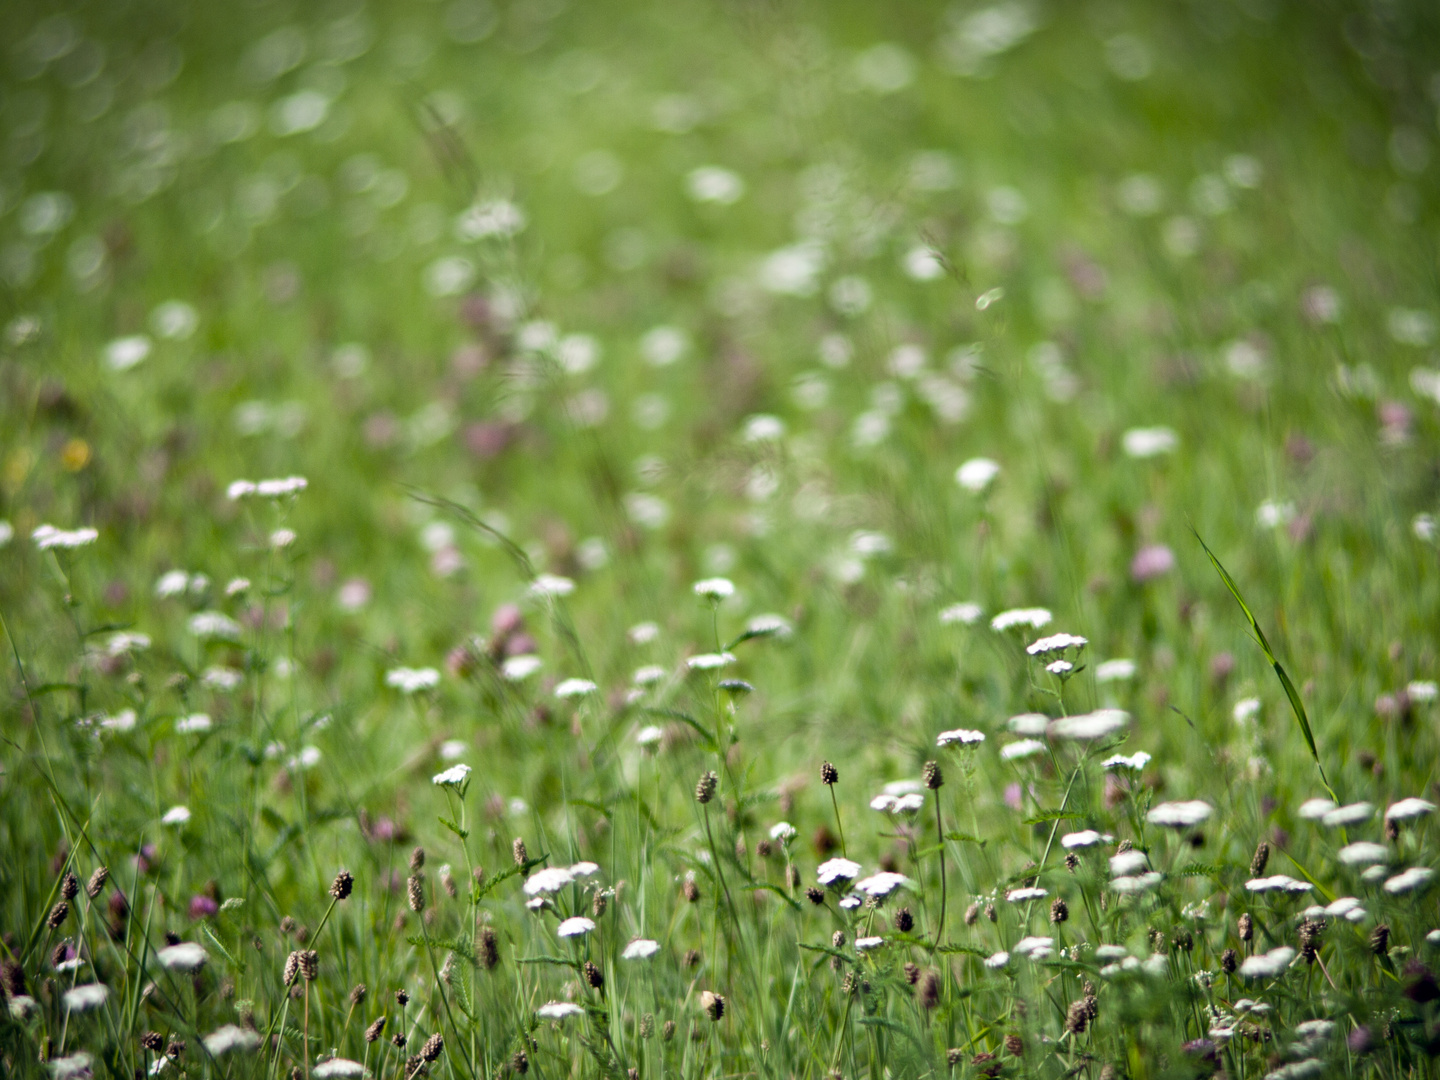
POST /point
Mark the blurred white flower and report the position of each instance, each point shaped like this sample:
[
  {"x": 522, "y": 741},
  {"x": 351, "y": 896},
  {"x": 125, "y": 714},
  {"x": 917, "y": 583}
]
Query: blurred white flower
[
  {"x": 549, "y": 880},
  {"x": 782, "y": 832},
  {"x": 1353, "y": 814},
  {"x": 1363, "y": 853},
  {"x": 551, "y": 585},
  {"x": 585, "y": 869},
  {"x": 1023, "y": 748},
  {"x": 718, "y": 588},
  {"x": 1277, "y": 883},
  {"x": 174, "y": 319},
  {"x": 1137, "y": 883},
  {"x": 769, "y": 626},
  {"x": 997, "y": 960},
  {"x": 1273, "y": 515},
  {"x": 1085, "y": 838},
  {"x": 230, "y": 1037},
  {"x": 1408, "y": 881},
  {"x": 865, "y": 944},
  {"x": 1060, "y": 667},
  {"x": 85, "y": 997},
  {"x": 1031, "y": 892},
  {"x": 833, "y": 870},
  {"x": 1030, "y": 723},
  {"x": 1180, "y": 815},
  {"x": 640, "y": 949},
  {"x": 48, "y": 536},
  {"x": 977, "y": 474},
  {"x": 412, "y": 680},
  {"x": 922, "y": 263},
  {"x": 339, "y": 1068},
  {"x": 193, "y": 724},
  {"x": 883, "y": 883},
  {"x": 576, "y": 926},
  {"x": 1115, "y": 671},
  {"x": 1093, "y": 725},
  {"x": 1422, "y": 691},
  {"x": 963, "y": 736},
  {"x": 495, "y": 217},
  {"x": 124, "y": 353},
  {"x": 1267, "y": 965},
  {"x": 793, "y": 271},
  {"x": 1056, "y": 643},
  {"x": 650, "y": 736},
  {"x": 713, "y": 184},
  {"x": 710, "y": 661},
  {"x": 1034, "y": 618},
  {"x": 1409, "y": 809},
  {"x": 1033, "y": 947},
  {"x": 570, "y": 688},
  {"x": 662, "y": 346},
  {"x": 186, "y": 956},
  {"x": 520, "y": 668},
  {"x": 558, "y": 1010},
  {"x": 966, "y": 614},
  {"x": 1136, "y": 761},
  {"x": 176, "y": 815},
  {"x": 1149, "y": 442}
]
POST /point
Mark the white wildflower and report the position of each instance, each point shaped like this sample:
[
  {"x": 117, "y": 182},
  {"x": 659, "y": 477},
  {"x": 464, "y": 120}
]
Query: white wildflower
[
  {"x": 717, "y": 588},
  {"x": 649, "y": 735},
  {"x": 1056, "y": 643},
  {"x": 1245, "y": 710},
  {"x": 640, "y": 949},
  {"x": 782, "y": 832},
  {"x": 551, "y": 585},
  {"x": 1059, "y": 667},
  {"x": 1136, "y": 883},
  {"x": 48, "y": 536},
  {"x": 214, "y": 624},
  {"x": 1408, "y": 881},
  {"x": 172, "y": 583},
  {"x": 1115, "y": 671},
  {"x": 558, "y": 1010},
  {"x": 966, "y": 614},
  {"x": 865, "y": 944},
  {"x": 412, "y": 680},
  {"x": 1022, "y": 748},
  {"x": 1180, "y": 815},
  {"x": 769, "y": 626},
  {"x": 851, "y": 902},
  {"x": 176, "y": 815},
  {"x": 576, "y": 926},
  {"x": 1422, "y": 690},
  {"x": 1267, "y": 965},
  {"x": 1409, "y": 809},
  {"x": 1094, "y": 725},
  {"x": 125, "y": 641},
  {"x": 549, "y": 880},
  {"x": 585, "y": 868},
  {"x": 451, "y": 777},
  {"x": 963, "y": 736},
  {"x": 1277, "y": 883},
  {"x": 1136, "y": 761},
  {"x": 648, "y": 675},
  {"x": 338, "y": 1069},
  {"x": 1363, "y": 853},
  {"x": 186, "y": 956},
  {"x": 836, "y": 870},
  {"x": 1149, "y": 442},
  {"x": 230, "y": 1037},
  {"x": 997, "y": 960},
  {"x": 570, "y": 688},
  {"x": 1032, "y": 892},
  {"x": 1085, "y": 838},
  {"x": 193, "y": 724},
  {"x": 883, "y": 883},
  {"x": 1034, "y": 948},
  {"x": 1353, "y": 814},
  {"x": 1029, "y": 723},
  {"x": 520, "y": 668},
  {"x": 1125, "y": 863},
  {"x": 977, "y": 474},
  {"x": 710, "y": 661},
  {"x": 1315, "y": 809},
  {"x": 1035, "y": 618},
  {"x": 75, "y": 1066},
  {"x": 85, "y": 997},
  {"x": 281, "y": 487}
]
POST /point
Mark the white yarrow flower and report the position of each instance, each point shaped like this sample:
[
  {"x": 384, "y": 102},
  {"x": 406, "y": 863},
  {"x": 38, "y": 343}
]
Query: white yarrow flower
[
  {"x": 1056, "y": 643},
  {"x": 1149, "y": 442},
  {"x": 520, "y": 668},
  {"x": 549, "y": 880},
  {"x": 214, "y": 624},
  {"x": 1277, "y": 883},
  {"x": 1033, "y": 892},
  {"x": 558, "y": 1010},
  {"x": 1115, "y": 671},
  {"x": 576, "y": 926},
  {"x": 836, "y": 870},
  {"x": 883, "y": 883},
  {"x": 1136, "y": 761},
  {"x": 570, "y": 688},
  {"x": 1408, "y": 881},
  {"x": 1267, "y": 965},
  {"x": 186, "y": 956},
  {"x": 231, "y": 1037},
  {"x": 1125, "y": 863},
  {"x": 451, "y": 777},
  {"x": 997, "y": 960},
  {"x": 48, "y": 536},
  {"x": 640, "y": 949},
  {"x": 966, "y": 614},
  {"x": 963, "y": 736},
  {"x": 1409, "y": 809},
  {"x": 865, "y": 944},
  {"x": 1353, "y": 814},
  {"x": 1022, "y": 748},
  {"x": 710, "y": 661},
  {"x": 1095, "y": 725},
  {"x": 1315, "y": 809},
  {"x": 412, "y": 680},
  {"x": 551, "y": 585},
  {"x": 193, "y": 724},
  {"x": 1034, "y": 618},
  {"x": 338, "y": 1069},
  {"x": 1363, "y": 853},
  {"x": 1180, "y": 815},
  {"x": 176, "y": 815},
  {"x": 1030, "y": 723},
  {"x": 85, "y": 997},
  {"x": 1085, "y": 838},
  {"x": 977, "y": 474},
  {"x": 716, "y": 588}
]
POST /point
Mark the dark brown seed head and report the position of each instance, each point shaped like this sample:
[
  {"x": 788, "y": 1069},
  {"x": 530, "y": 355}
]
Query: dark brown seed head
[
  {"x": 929, "y": 990},
  {"x": 413, "y": 1067},
  {"x": 1014, "y": 1045},
  {"x": 375, "y": 1029},
  {"x": 647, "y": 1026},
  {"x": 1245, "y": 927},
  {"x": 402, "y": 998},
  {"x": 912, "y": 973},
  {"x": 763, "y": 849},
  {"x": 433, "y": 1047},
  {"x": 849, "y": 982},
  {"x": 1380, "y": 939},
  {"x": 713, "y": 1004},
  {"x": 934, "y": 778},
  {"x": 1259, "y": 859},
  {"x": 60, "y": 954},
  {"x": 593, "y": 976},
  {"x": 837, "y": 939},
  {"x": 815, "y": 895},
  {"x": 1309, "y": 933},
  {"x": 690, "y": 890},
  {"x": 1077, "y": 1018},
  {"x": 991, "y": 913},
  {"x": 357, "y": 993},
  {"x": 398, "y": 1039},
  {"x": 692, "y": 958},
  {"x": 13, "y": 976},
  {"x": 705, "y": 787},
  {"x": 69, "y": 885},
  {"x": 97, "y": 881},
  {"x": 415, "y": 892},
  {"x": 518, "y": 850},
  {"x": 58, "y": 914},
  {"x": 1182, "y": 939},
  {"x": 175, "y": 1049},
  {"x": 829, "y": 775},
  {"x": 632, "y": 1074},
  {"x": 342, "y": 885},
  {"x": 792, "y": 876},
  {"x": 447, "y": 882},
  {"x": 904, "y": 921},
  {"x": 972, "y": 914},
  {"x": 954, "y": 1056},
  {"x": 309, "y": 964},
  {"x": 153, "y": 1041},
  {"x": 1072, "y": 861},
  {"x": 597, "y": 904},
  {"x": 287, "y": 925},
  {"x": 1059, "y": 911},
  {"x": 172, "y": 938},
  {"x": 417, "y": 860},
  {"x": 488, "y": 949},
  {"x": 1229, "y": 961},
  {"x": 520, "y": 1064},
  {"x": 667, "y": 1031}
]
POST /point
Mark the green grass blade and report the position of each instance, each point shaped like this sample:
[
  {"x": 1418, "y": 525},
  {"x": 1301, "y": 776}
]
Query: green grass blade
[{"x": 1296, "y": 705}]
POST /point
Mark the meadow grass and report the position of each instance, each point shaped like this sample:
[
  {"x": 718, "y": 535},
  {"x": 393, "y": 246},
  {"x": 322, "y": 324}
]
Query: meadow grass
[{"x": 665, "y": 540}]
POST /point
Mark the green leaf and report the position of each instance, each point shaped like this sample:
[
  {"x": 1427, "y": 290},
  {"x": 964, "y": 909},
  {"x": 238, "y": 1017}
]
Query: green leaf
[
  {"x": 968, "y": 949},
  {"x": 1052, "y": 815},
  {"x": 827, "y": 950},
  {"x": 555, "y": 960},
  {"x": 456, "y": 829},
  {"x": 684, "y": 718},
  {"x": 965, "y": 838},
  {"x": 1296, "y": 705},
  {"x": 592, "y": 806}
]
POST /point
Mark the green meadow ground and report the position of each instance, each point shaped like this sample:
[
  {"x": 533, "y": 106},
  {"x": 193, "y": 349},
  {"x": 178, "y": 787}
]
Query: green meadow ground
[{"x": 562, "y": 308}]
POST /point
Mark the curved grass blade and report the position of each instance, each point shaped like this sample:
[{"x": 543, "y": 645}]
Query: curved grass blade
[{"x": 1296, "y": 705}]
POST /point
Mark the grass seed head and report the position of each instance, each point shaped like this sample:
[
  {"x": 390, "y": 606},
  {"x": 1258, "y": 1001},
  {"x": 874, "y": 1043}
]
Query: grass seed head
[
  {"x": 1077, "y": 1018},
  {"x": 402, "y": 998},
  {"x": 912, "y": 973},
  {"x": 972, "y": 914},
  {"x": 1059, "y": 912},
  {"x": 519, "y": 1063},
  {"x": 97, "y": 881},
  {"x": 933, "y": 777},
  {"x": 829, "y": 775},
  {"x": 1014, "y": 1045},
  {"x": 667, "y": 1031},
  {"x": 309, "y": 964},
  {"x": 929, "y": 990},
  {"x": 175, "y": 1048},
  {"x": 517, "y": 848},
  {"x": 1380, "y": 939},
  {"x": 705, "y": 787},
  {"x": 343, "y": 884},
  {"x": 1260, "y": 858},
  {"x": 153, "y": 1041},
  {"x": 593, "y": 976},
  {"x": 690, "y": 890},
  {"x": 815, "y": 895},
  {"x": 904, "y": 920},
  {"x": 69, "y": 885},
  {"x": 713, "y": 1004},
  {"x": 58, "y": 914},
  {"x": 487, "y": 948},
  {"x": 358, "y": 993},
  {"x": 1245, "y": 927},
  {"x": 415, "y": 892},
  {"x": 433, "y": 1047},
  {"x": 647, "y": 1026},
  {"x": 417, "y": 860},
  {"x": 375, "y": 1030},
  {"x": 1229, "y": 961}
]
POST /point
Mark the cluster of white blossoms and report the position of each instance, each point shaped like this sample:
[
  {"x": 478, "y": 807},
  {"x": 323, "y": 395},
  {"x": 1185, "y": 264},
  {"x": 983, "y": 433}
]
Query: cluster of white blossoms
[
  {"x": 278, "y": 488},
  {"x": 412, "y": 680},
  {"x": 47, "y": 537}
]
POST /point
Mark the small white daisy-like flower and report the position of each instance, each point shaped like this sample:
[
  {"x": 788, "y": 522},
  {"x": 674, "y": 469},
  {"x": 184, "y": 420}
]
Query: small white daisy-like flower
[
  {"x": 48, "y": 536},
  {"x": 1180, "y": 815},
  {"x": 883, "y": 883},
  {"x": 965, "y": 614},
  {"x": 176, "y": 815},
  {"x": 126, "y": 641},
  {"x": 85, "y": 997},
  {"x": 865, "y": 944},
  {"x": 1022, "y": 748},
  {"x": 782, "y": 832},
  {"x": 650, "y": 735},
  {"x": 1085, "y": 838},
  {"x": 1315, "y": 809},
  {"x": 1094, "y": 725},
  {"x": 640, "y": 949},
  {"x": 769, "y": 626},
  {"x": 548, "y": 585},
  {"x": 280, "y": 487},
  {"x": 231, "y": 1037},
  {"x": 338, "y": 1069},
  {"x": 1149, "y": 442},
  {"x": 1054, "y": 643},
  {"x": 1059, "y": 667},
  {"x": 1030, "y": 723},
  {"x": 537, "y": 904},
  {"x": 576, "y": 926},
  {"x": 648, "y": 675},
  {"x": 1115, "y": 671},
  {"x": 716, "y": 588},
  {"x": 963, "y": 736},
  {"x": 1424, "y": 690},
  {"x": 282, "y": 538},
  {"x": 835, "y": 870},
  {"x": 558, "y": 1010},
  {"x": 193, "y": 724},
  {"x": 1136, "y": 761},
  {"x": 977, "y": 474},
  {"x": 240, "y": 489},
  {"x": 520, "y": 668},
  {"x": 851, "y": 901},
  {"x": 1267, "y": 965},
  {"x": 75, "y": 1066},
  {"x": 124, "y": 720},
  {"x": 1125, "y": 863},
  {"x": 214, "y": 624},
  {"x": 451, "y": 749},
  {"x": 1363, "y": 853},
  {"x": 998, "y": 960},
  {"x": 451, "y": 777},
  {"x": 549, "y": 880},
  {"x": 1409, "y": 809},
  {"x": 570, "y": 688},
  {"x": 643, "y": 633},
  {"x": 710, "y": 661},
  {"x": 172, "y": 583},
  {"x": 1408, "y": 881},
  {"x": 186, "y": 956},
  {"x": 1033, "y": 892},
  {"x": 1245, "y": 710},
  {"x": 1353, "y": 814},
  {"x": 237, "y": 586},
  {"x": 1034, "y": 948},
  {"x": 1034, "y": 618},
  {"x": 585, "y": 868},
  {"x": 1137, "y": 883},
  {"x": 1277, "y": 883},
  {"x": 412, "y": 680}
]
